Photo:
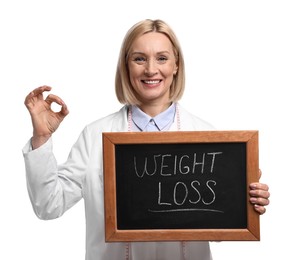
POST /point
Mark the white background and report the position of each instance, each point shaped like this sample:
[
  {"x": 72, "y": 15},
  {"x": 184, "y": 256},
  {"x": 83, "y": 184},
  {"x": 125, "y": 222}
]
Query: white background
[{"x": 238, "y": 63}]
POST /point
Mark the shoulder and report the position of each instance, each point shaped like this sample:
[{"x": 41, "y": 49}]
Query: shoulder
[
  {"x": 92, "y": 132},
  {"x": 113, "y": 122},
  {"x": 192, "y": 122}
]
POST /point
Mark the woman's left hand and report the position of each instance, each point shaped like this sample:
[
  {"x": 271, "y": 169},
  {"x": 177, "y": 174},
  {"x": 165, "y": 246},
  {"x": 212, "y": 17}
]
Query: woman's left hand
[{"x": 260, "y": 194}]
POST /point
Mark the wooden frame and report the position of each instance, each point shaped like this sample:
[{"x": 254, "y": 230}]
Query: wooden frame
[{"x": 113, "y": 234}]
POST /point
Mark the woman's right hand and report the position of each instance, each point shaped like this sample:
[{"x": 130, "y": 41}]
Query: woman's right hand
[{"x": 45, "y": 121}]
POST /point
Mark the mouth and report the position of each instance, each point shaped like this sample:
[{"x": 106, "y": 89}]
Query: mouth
[{"x": 151, "y": 82}]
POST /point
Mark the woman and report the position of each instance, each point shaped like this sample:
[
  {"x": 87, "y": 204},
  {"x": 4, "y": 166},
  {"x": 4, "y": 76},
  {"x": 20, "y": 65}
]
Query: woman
[{"x": 149, "y": 81}]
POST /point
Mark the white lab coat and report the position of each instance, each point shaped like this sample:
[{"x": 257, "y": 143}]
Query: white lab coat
[{"x": 53, "y": 189}]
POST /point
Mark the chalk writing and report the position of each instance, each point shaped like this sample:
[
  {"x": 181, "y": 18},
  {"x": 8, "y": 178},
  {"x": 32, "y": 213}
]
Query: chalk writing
[
  {"x": 183, "y": 194},
  {"x": 183, "y": 164}
]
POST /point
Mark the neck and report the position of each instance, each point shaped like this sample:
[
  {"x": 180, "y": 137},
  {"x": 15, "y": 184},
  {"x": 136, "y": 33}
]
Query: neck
[{"x": 153, "y": 110}]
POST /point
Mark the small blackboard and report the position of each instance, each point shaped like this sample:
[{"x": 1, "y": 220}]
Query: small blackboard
[{"x": 180, "y": 185}]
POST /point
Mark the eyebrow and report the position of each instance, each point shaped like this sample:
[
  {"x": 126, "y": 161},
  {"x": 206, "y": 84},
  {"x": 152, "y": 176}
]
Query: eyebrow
[{"x": 139, "y": 52}]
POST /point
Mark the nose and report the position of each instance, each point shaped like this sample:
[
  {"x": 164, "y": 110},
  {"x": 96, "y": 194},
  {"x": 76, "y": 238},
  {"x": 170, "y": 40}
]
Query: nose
[{"x": 151, "y": 68}]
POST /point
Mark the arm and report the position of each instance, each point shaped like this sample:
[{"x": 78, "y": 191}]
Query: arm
[{"x": 52, "y": 188}]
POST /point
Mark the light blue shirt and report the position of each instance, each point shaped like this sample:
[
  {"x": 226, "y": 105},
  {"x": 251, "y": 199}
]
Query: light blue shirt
[{"x": 161, "y": 122}]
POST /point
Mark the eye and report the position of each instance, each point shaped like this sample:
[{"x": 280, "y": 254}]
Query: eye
[
  {"x": 139, "y": 59},
  {"x": 162, "y": 59}
]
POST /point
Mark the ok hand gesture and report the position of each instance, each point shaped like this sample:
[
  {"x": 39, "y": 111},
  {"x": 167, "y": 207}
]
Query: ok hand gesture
[{"x": 45, "y": 121}]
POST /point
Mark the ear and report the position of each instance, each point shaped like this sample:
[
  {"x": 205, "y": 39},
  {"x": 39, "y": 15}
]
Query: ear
[{"x": 175, "y": 71}]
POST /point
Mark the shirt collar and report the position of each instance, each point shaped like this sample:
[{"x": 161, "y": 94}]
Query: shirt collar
[{"x": 162, "y": 120}]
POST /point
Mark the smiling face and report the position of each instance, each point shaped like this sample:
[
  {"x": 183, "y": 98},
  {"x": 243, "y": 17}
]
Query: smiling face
[{"x": 152, "y": 66}]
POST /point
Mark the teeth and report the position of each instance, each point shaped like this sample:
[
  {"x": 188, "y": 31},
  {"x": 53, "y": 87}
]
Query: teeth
[{"x": 151, "y": 81}]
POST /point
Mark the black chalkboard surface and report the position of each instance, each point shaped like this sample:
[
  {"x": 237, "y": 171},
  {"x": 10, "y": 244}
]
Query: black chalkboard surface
[{"x": 180, "y": 185}]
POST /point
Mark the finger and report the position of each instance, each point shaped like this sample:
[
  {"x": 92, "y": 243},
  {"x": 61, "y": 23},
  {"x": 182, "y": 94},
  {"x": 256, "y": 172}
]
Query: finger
[
  {"x": 260, "y": 193},
  {"x": 40, "y": 90},
  {"x": 260, "y": 209},
  {"x": 36, "y": 92},
  {"x": 259, "y": 186},
  {"x": 53, "y": 98},
  {"x": 64, "y": 110},
  {"x": 259, "y": 201}
]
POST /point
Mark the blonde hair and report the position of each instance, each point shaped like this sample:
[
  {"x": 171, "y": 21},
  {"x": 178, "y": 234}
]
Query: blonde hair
[{"x": 124, "y": 91}]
